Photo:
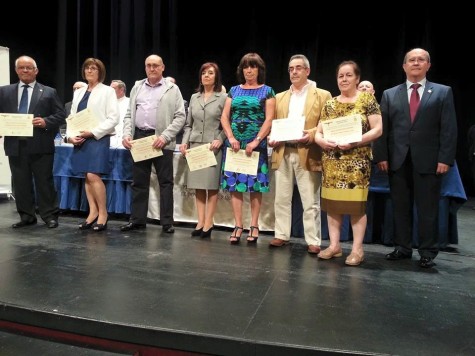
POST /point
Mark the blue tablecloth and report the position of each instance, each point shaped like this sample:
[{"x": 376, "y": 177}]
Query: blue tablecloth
[
  {"x": 380, "y": 227},
  {"x": 70, "y": 186}
]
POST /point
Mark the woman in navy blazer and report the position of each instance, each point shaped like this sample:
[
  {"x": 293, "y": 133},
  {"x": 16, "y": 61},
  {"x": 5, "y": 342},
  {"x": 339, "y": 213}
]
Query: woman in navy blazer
[{"x": 416, "y": 153}]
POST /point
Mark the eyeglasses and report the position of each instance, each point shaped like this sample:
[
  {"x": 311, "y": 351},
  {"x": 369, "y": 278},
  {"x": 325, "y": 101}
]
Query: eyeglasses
[
  {"x": 91, "y": 68},
  {"x": 153, "y": 66},
  {"x": 297, "y": 68},
  {"x": 29, "y": 69},
  {"x": 417, "y": 59}
]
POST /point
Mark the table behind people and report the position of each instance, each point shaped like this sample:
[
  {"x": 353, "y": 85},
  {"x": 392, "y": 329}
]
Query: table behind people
[
  {"x": 71, "y": 195},
  {"x": 185, "y": 209},
  {"x": 380, "y": 226}
]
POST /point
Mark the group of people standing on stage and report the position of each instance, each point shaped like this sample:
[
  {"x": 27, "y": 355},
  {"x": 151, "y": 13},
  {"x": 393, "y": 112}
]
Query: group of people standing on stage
[{"x": 411, "y": 135}]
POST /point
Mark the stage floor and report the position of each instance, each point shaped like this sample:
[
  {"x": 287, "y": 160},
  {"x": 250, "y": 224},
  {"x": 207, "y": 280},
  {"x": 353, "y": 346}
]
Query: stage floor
[{"x": 207, "y": 296}]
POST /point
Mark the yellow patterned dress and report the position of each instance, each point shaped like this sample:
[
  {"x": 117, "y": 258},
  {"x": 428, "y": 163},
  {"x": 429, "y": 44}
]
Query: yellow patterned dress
[{"x": 346, "y": 173}]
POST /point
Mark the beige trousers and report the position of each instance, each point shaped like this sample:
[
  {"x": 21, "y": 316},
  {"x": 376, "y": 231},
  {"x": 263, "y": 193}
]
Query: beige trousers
[{"x": 308, "y": 183}]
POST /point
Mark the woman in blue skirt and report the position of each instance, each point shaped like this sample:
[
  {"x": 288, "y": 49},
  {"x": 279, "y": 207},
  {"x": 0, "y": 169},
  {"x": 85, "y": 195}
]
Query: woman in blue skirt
[{"x": 91, "y": 146}]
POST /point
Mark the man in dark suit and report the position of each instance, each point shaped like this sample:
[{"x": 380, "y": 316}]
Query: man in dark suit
[
  {"x": 31, "y": 158},
  {"x": 416, "y": 152}
]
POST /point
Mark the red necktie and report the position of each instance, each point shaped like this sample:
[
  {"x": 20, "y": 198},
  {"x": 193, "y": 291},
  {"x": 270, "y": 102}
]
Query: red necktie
[{"x": 414, "y": 101}]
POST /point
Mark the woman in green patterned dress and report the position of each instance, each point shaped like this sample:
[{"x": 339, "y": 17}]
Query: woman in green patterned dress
[{"x": 247, "y": 120}]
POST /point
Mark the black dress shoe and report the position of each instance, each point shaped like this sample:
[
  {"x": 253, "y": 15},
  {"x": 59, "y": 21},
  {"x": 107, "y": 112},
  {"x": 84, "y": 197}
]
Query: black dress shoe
[
  {"x": 86, "y": 226},
  {"x": 99, "y": 227},
  {"x": 23, "y": 224},
  {"x": 197, "y": 232},
  {"x": 207, "y": 233},
  {"x": 397, "y": 255},
  {"x": 426, "y": 262},
  {"x": 169, "y": 229},
  {"x": 52, "y": 224},
  {"x": 132, "y": 226}
]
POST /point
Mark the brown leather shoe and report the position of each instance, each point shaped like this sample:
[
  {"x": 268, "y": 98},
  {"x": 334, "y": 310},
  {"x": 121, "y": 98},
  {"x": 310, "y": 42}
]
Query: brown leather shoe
[
  {"x": 278, "y": 243},
  {"x": 313, "y": 249}
]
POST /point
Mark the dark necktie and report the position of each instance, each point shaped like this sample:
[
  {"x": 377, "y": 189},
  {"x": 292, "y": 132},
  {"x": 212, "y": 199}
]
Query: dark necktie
[
  {"x": 23, "y": 107},
  {"x": 414, "y": 101}
]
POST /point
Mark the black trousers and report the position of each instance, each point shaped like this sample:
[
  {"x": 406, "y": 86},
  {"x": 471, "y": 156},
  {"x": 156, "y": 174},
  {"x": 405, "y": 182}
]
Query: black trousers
[
  {"x": 33, "y": 185},
  {"x": 141, "y": 184},
  {"x": 411, "y": 189}
]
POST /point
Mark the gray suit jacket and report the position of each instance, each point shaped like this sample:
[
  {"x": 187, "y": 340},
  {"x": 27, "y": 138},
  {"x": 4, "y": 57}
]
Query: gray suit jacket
[
  {"x": 203, "y": 123},
  {"x": 431, "y": 138},
  {"x": 45, "y": 103}
]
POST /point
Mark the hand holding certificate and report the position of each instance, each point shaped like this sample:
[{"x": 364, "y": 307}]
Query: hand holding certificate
[
  {"x": 288, "y": 129},
  {"x": 142, "y": 149},
  {"x": 16, "y": 125},
  {"x": 81, "y": 121},
  {"x": 239, "y": 162},
  {"x": 200, "y": 157},
  {"x": 343, "y": 130}
]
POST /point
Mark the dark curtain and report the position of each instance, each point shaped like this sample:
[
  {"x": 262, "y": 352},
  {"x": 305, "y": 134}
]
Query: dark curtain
[{"x": 187, "y": 33}]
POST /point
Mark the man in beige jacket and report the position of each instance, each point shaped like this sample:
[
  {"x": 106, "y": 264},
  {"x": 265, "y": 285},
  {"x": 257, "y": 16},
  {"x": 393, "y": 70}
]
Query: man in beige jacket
[{"x": 299, "y": 160}]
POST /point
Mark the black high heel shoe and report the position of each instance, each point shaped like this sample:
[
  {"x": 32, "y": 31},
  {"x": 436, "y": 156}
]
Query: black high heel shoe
[
  {"x": 206, "y": 233},
  {"x": 197, "y": 232},
  {"x": 250, "y": 238},
  {"x": 235, "y": 235},
  {"x": 100, "y": 227},
  {"x": 86, "y": 226}
]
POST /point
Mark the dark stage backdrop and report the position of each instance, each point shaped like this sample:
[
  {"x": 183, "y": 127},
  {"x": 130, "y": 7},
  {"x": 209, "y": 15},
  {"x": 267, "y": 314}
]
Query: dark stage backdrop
[{"x": 60, "y": 34}]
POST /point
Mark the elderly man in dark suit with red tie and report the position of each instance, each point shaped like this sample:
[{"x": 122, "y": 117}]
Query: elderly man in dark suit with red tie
[
  {"x": 417, "y": 148},
  {"x": 31, "y": 158}
]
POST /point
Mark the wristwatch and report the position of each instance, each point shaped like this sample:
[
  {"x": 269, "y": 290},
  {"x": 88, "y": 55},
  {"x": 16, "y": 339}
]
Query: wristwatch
[{"x": 258, "y": 138}]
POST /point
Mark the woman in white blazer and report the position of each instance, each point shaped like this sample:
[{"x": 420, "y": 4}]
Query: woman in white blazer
[{"x": 91, "y": 147}]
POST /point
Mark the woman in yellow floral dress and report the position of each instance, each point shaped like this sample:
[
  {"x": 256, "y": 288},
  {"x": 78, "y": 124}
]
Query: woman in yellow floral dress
[{"x": 347, "y": 165}]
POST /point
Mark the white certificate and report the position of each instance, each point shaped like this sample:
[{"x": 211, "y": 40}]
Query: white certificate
[
  {"x": 84, "y": 120},
  {"x": 200, "y": 157},
  {"x": 142, "y": 149},
  {"x": 289, "y": 129},
  {"x": 16, "y": 125},
  {"x": 239, "y": 162},
  {"x": 345, "y": 129}
]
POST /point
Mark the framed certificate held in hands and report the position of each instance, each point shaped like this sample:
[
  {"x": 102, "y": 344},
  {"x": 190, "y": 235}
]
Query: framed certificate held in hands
[
  {"x": 239, "y": 162},
  {"x": 81, "y": 121},
  {"x": 200, "y": 157},
  {"x": 142, "y": 149},
  {"x": 289, "y": 129},
  {"x": 345, "y": 129},
  {"x": 16, "y": 125}
]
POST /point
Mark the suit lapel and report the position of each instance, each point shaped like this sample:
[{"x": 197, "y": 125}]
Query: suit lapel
[
  {"x": 35, "y": 97},
  {"x": 428, "y": 91},
  {"x": 310, "y": 101},
  {"x": 403, "y": 101},
  {"x": 201, "y": 99}
]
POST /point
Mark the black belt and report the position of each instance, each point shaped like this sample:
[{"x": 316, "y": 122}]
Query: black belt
[
  {"x": 291, "y": 145},
  {"x": 148, "y": 131}
]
